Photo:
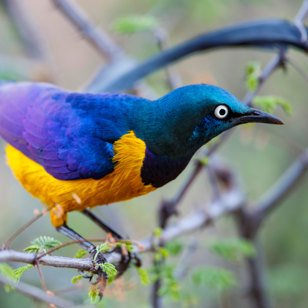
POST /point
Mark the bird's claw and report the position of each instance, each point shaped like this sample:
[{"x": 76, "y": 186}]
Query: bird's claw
[{"x": 99, "y": 259}]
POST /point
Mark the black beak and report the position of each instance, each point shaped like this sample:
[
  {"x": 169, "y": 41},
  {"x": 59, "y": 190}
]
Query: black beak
[{"x": 255, "y": 115}]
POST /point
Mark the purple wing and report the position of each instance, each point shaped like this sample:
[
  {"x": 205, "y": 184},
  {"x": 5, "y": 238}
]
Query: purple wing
[{"x": 41, "y": 121}]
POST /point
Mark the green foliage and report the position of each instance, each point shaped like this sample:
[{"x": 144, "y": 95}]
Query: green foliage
[
  {"x": 10, "y": 75},
  {"x": 170, "y": 286},
  {"x": 13, "y": 274},
  {"x": 42, "y": 244},
  {"x": 94, "y": 295},
  {"x": 103, "y": 248},
  {"x": 135, "y": 23},
  {"x": 269, "y": 103},
  {"x": 253, "y": 71},
  {"x": 76, "y": 279},
  {"x": 204, "y": 160},
  {"x": 160, "y": 254},
  {"x": 8, "y": 272},
  {"x": 20, "y": 270},
  {"x": 215, "y": 278},
  {"x": 144, "y": 276},
  {"x": 110, "y": 270},
  {"x": 158, "y": 232},
  {"x": 80, "y": 253},
  {"x": 232, "y": 249},
  {"x": 174, "y": 247},
  {"x": 128, "y": 244}
]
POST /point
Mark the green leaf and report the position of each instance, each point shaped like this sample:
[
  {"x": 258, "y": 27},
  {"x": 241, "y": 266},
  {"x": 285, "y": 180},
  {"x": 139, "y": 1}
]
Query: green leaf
[
  {"x": 233, "y": 249},
  {"x": 94, "y": 294},
  {"x": 253, "y": 71},
  {"x": 158, "y": 232},
  {"x": 20, "y": 270},
  {"x": 32, "y": 249},
  {"x": 215, "y": 278},
  {"x": 135, "y": 23},
  {"x": 174, "y": 247},
  {"x": 8, "y": 272},
  {"x": 42, "y": 244},
  {"x": 269, "y": 103},
  {"x": 129, "y": 245},
  {"x": 144, "y": 276},
  {"x": 204, "y": 160},
  {"x": 110, "y": 270},
  {"x": 76, "y": 279},
  {"x": 163, "y": 252},
  {"x": 80, "y": 253},
  {"x": 103, "y": 248},
  {"x": 170, "y": 288},
  {"x": 13, "y": 274}
]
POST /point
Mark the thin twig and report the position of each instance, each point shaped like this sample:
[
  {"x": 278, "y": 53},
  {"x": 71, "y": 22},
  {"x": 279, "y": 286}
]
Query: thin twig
[
  {"x": 94, "y": 35},
  {"x": 186, "y": 256},
  {"x": 275, "y": 63},
  {"x": 23, "y": 228},
  {"x": 278, "y": 192},
  {"x": 31, "y": 38},
  {"x": 36, "y": 293},
  {"x": 173, "y": 79},
  {"x": 168, "y": 207},
  {"x": 41, "y": 276},
  {"x": 69, "y": 243},
  {"x": 229, "y": 202},
  {"x": 298, "y": 68}
]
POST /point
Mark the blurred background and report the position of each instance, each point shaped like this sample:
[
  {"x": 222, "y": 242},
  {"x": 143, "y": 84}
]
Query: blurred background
[{"x": 258, "y": 153}]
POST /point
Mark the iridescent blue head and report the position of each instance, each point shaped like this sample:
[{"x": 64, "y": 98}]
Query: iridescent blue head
[{"x": 188, "y": 117}]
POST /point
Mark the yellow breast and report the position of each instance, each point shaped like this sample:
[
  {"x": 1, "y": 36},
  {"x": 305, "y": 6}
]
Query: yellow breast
[{"x": 61, "y": 197}]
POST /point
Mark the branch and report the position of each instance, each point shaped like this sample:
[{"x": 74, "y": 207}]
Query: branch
[
  {"x": 262, "y": 34},
  {"x": 27, "y": 30},
  {"x": 276, "y": 62},
  {"x": 168, "y": 207},
  {"x": 32, "y": 40},
  {"x": 96, "y": 36},
  {"x": 36, "y": 293},
  {"x": 229, "y": 202},
  {"x": 279, "y": 191}
]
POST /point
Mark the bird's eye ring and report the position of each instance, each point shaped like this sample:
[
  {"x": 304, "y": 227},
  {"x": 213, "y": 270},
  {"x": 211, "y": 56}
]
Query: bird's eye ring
[{"x": 221, "y": 112}]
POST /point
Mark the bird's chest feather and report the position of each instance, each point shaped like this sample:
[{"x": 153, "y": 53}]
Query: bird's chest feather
[
  {"x": 136, "y": 172},
  {"x": 123, "y": 183}
]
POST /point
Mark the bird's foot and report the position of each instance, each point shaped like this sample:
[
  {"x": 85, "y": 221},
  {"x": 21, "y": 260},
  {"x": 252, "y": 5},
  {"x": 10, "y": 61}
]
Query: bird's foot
[{"x": 99, "y": 259}]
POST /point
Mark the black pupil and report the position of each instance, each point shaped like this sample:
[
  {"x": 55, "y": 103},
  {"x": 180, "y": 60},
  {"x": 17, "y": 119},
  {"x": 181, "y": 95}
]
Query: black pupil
[{"x": 222, "y": 112}]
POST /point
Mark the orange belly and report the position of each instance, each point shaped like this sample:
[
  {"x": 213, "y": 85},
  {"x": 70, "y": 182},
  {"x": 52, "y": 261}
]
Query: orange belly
[{"x": 61, "y": 197}]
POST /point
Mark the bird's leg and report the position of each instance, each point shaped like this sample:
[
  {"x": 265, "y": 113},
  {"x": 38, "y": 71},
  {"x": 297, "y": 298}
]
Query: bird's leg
[
  {"x": 102, "y": 224},
  {"x": 115, "y": 234},
  {"x": 91, "y": 248}
]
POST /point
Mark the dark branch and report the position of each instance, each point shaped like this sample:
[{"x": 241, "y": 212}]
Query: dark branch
[{"x": 269, "y": 34}]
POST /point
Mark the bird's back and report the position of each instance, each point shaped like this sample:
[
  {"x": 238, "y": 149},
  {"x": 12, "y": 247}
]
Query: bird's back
[{"x": 71, "y": 135}]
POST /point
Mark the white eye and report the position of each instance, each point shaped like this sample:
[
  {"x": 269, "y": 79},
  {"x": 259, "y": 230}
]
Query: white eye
[{"x": 221, "y": 112}]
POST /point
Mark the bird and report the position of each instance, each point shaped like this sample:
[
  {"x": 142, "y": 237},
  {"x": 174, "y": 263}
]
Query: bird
[{"x": 75, "y": 151}]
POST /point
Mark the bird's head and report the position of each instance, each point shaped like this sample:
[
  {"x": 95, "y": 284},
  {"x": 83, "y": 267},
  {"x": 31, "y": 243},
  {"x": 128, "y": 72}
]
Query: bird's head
[{"x": 192, "y": 115}]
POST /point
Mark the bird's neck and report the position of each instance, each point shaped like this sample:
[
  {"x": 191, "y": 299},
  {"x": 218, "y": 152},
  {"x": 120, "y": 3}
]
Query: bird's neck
[{"x": 168, "y": 130}]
